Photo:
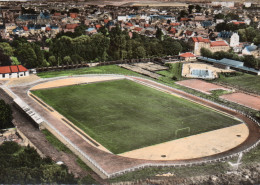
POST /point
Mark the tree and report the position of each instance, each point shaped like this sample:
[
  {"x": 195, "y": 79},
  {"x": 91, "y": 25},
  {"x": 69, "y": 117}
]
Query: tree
[
  {"x": 198, "y": 8},
  {"x": 171, "y": 47},
  {"x": 15, "y": 61},
  {"x": 115, "y": 31},
  {"x": 206, "y": 53},
  {"x": 100, "y": 45},
  {"x": 7, "y": 49},
  {"x": 39, "y": 55},
  {"x": 67, "y": 60},
  {"x": 190, "y": 8},
  {"x": 242, "y": 35},
  {"x": 183, "y": 13},
  {"x": 154, "y": 48},
  {"x": 117, "y": 43},
  {"x": 251, "y": 34},
  {"x": 159, "y": 34},
  {"x": 186, "y": 46},
  {"x": 23, "y": 165},
  {"x": 221, "y": 27},
  {"x": 9, "y": 147},
  {"x": 28, "y": 11},
  {"x": 231, "y": 16},
  {"x": 62, "y": 47},
  {"x": 250, "y": 61},
  {"x": 80, "y": 30},
  {"x": 219, "y": 16},
  {"x": 76, "y": 59},
  {"x": 4, "y": 59},
  {"x": 53, "y": 61},
  {"x": 104, "y": 31},
  {"x": 5, "y": 115},
  {"x": 139, "y": 52},
  {"x": 26, "y": 55},
  {"x": 45, "y": 63},
  {"x": 74, "y": 10},
  {"x": 256, "y": 40}
]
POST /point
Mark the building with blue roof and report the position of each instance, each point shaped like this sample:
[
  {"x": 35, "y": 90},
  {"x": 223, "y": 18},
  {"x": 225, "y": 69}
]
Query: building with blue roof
[
  {"x": 251, "y": 50},
  {"x": 225, "y": 34},
  {"x": 54, "y": 27},
  {"x": 230, "y": 64},
  {"x": 206, "y": 24},
  {"x": 42, "y": 18}
]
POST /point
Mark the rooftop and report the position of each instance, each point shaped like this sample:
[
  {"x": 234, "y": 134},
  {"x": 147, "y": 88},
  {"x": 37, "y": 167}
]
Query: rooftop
[
  {"x": 187, "y": 55},
  {"x": 200, "y": 39},
  {"x": 218, "y": 43},
  {"x": 12, "y": 69}
]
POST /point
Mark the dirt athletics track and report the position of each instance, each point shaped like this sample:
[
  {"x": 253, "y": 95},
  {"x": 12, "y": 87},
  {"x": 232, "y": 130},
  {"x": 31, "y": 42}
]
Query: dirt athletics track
[{"x": 107, "y": 164}]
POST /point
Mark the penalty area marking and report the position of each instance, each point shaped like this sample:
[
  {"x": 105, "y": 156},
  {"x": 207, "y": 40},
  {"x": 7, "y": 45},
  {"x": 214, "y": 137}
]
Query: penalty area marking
[{"x": 180, "y": 129}]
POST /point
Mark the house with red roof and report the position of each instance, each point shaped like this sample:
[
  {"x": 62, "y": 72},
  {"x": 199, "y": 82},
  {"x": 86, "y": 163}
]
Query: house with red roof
[
  {"x": 98, "y": 26},
  {"x": 48, "y": 29},
  {"x": 187, "y": 56},
  {"x": 238, "y": 22},
  {"x": 189, "y": 33},
  {"x": 175, "y": 24},
  {"x": 57, "y": 14},
  {"x": 213, "y": 46},
  {"x": 25, "y": 28},
  {"x": 173, "y": 31},
  {"x": 129, "y": 24},
  {"x": 137, "y": 29},
  {"x": 14, "y": 71},
  {"x": 73, "y": 15},
  {"x": 70, "y": 27},
  {"x": 220, "y": 45},
  {"x": 184, "y": 19},
  {"x": 200, "y": 42}
]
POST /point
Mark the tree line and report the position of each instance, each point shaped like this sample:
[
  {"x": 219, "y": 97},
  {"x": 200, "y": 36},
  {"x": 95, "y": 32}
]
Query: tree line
[
  {"x": 23, "y": 165},
  {"x": 77, "y": 47},
  {"x": 5, "y": 115}
]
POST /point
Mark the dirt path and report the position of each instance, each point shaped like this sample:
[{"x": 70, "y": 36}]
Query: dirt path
[{"x": 195, "y": 146}]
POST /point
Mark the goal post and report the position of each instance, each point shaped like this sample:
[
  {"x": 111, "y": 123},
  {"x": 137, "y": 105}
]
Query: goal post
[{"x": 182, "y": 130}]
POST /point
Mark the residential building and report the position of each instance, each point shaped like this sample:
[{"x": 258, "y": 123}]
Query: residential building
[{"x": 15, "y": 71}]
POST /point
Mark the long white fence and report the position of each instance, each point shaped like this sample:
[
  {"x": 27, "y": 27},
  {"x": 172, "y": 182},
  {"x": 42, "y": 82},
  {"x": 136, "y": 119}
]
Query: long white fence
[{"x": 168, "y": 164}]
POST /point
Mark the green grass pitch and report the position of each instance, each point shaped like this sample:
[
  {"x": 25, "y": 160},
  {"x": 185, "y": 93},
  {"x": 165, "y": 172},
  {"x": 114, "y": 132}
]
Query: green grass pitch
[
  {"x": 246, "y": 82},
  {"x": 123, "y": 115}
]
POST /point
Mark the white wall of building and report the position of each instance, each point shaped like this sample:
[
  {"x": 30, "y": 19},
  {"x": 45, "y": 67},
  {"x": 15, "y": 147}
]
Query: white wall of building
[
  {"x": 14, "y": 75},
  {"x": 3, "y": 76},
  {"x": 247, "y": 4},
  {"x": 122, "y": 18},
  {"x": 234, "y": 40},
  {"x": 224, "y": 4}
]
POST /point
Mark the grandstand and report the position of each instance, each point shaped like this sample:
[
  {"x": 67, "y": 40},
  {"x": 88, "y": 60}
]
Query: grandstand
[{"x": 230, "y": 64}]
